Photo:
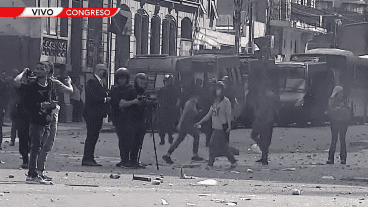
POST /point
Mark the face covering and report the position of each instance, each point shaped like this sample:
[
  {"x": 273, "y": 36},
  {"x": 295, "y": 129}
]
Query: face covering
[
  {"x": 104, "y": 74},
  {"x": 218, "y": 92}
]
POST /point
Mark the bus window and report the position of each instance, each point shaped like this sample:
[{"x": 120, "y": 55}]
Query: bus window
[
  {"x": 199, "y": 76},
  {"x": 159, "y": 81},
  {"x": 151, "y": 81},
  {"x": 246, "y": 83},
  {"x": 233, "y": 76},
  {"x": 239, "y": 76}
]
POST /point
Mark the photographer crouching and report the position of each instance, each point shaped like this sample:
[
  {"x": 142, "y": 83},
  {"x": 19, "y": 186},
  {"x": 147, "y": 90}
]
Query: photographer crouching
[{"x": 133, "y": 104}]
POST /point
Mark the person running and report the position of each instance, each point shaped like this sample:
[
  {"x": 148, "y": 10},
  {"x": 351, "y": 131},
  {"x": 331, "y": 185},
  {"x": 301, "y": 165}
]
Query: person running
[
  {"x": 186, "y": 126},
  {"x": 220, "y": 112}
]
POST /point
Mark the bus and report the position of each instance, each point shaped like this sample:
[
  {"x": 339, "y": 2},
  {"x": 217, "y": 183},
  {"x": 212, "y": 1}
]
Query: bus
[
  {"x": 349, "y": 70},
  {"x": 304, "y": 89}
]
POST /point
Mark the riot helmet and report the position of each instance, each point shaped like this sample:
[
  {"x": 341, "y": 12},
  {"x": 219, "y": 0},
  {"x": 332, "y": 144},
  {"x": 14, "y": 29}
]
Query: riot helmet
[{"x": 122, "y": 73}]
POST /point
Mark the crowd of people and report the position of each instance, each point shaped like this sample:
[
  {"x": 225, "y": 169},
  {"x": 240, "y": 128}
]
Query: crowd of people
[{"x": 205, "y": 107}]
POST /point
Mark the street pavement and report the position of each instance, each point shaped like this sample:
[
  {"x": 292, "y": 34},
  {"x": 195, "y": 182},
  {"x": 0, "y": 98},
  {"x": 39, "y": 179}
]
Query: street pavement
[{"x": 297, "y": 158}]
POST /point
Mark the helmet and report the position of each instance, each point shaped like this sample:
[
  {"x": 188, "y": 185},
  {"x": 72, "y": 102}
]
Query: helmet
[
  {"x": 121, "y": 73},
  {"x": 168, "y": 76}
]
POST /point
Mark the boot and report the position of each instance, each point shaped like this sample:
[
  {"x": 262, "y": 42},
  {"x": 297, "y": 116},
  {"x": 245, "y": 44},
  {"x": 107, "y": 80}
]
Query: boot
[
  {"x": 264, "y": 158},
  {"x": 162, "y": 140},
  {"x": 330, "y": 160}
]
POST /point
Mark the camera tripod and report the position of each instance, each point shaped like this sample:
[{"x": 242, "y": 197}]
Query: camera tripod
[{"x": 148, "y": 123}]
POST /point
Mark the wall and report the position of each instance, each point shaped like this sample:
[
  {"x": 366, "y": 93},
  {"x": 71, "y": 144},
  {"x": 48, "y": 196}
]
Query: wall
[{"x": 290, "y": 36}]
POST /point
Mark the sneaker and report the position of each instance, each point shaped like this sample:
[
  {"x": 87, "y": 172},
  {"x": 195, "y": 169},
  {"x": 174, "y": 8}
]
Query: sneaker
[
  {"x": 209, "y": 167},
  {"x": 167, "y": 159},
  {"x": 37, "y": 180},
  {"x": 121, "y": 164},
  {"x": 12, "y": 143},
  {"x": 24, "y": 165},
  {"x": 343, "y": 162},
  {"x": 197, "y": 158},
  {"x": 139, "y": 166},
  {"x": 126, "y": 165},
  {"x": 162, "y": 143},
  {"x": 233, "y": 166},
  {"x": 329, "y": 162},
  {"x": 46, "y": 178}
]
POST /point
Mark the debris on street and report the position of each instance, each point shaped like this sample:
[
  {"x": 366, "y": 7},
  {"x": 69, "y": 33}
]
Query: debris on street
[
  {"x": 141, "y": 178},
  {"x": 191, "y": 204},
  {"x": 328, "y": 177},
  {"x": 289, "y": 169},
  {"x": 114, "y": 176},
  {"x": 207, "y": 182},
  {"x": 164, "y": 202},
  {"x": 232, "y": 204},
  {"x": 11, "y": 176},
  {"x": 245, "y": 199},
  {"x": 250, "y": 171},
  {"x": 204, "y": 194},
  {"x": 218, "y": 200},
  {"x": 296, "y": 192},
  {"x": 81, "y": 185},
  {"x": 156, "y": 182}
]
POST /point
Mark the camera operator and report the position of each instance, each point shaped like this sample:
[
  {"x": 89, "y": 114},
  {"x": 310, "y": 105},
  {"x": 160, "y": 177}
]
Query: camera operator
[
  {"x": 134, "y": 113},
  {"x": 121, "y": 80}
]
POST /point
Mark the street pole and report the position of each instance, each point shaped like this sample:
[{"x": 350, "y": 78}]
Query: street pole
[{"x": 238, "y": 7}]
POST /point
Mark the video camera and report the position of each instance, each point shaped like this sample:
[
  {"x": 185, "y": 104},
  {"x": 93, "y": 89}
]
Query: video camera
[
  {"x": 148, "y": 101},
  {"x": 30, "y": 74}
]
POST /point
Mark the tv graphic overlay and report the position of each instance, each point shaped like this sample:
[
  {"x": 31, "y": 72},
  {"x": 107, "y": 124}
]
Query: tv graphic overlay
[{"x": 57, "y": 12}]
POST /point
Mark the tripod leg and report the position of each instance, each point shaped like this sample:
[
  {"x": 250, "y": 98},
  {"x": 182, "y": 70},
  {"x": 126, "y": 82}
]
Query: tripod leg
[{"x": 154, "y": 146}]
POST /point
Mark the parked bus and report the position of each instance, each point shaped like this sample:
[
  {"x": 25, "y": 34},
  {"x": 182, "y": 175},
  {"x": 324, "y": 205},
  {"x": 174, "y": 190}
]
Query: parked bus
[
  {"x": 348, "y": 70},
  {"x": 304, "y": 89}
]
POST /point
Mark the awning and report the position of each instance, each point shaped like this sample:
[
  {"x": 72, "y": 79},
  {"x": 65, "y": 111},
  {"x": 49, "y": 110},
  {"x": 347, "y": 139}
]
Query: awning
[
  {"x": 202, "y": 7},
  {"x": 154, "y": 63},
  {"x": 214, "y": 8}
]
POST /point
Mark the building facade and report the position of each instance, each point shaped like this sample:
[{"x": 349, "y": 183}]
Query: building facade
[{"x": 26, "y": 41}]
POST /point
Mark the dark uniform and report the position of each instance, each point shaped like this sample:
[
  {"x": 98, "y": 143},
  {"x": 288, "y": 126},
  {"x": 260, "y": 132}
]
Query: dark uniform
[
  {"x": 263, "y": 124},
  {"x": 168, "y": 112},
  {"x": 117, "y": 93},
  {"x": 133, "y": 125}
]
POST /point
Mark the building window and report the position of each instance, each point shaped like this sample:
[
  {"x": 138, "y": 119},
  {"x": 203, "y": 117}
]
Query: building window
[
  {"x": 155, "y": 32},
  {"x": 50, "y": 23},
  {"x": 141, "y": 27},
  {"x": 169, "y": 35},
  {"x": 186, "y": 28}
]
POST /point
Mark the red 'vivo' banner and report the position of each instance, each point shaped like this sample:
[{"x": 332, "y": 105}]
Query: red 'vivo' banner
[
  {"x": 88, "y": 12},
  {"x": 11, "y": 11}
]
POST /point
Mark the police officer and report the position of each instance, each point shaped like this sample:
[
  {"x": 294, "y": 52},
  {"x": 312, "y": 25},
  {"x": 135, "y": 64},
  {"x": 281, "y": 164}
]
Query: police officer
[
  {"x": 134, "y": 112},
  {"x": 122, "y": 77},
  {"x": 168, "y": 112}
]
